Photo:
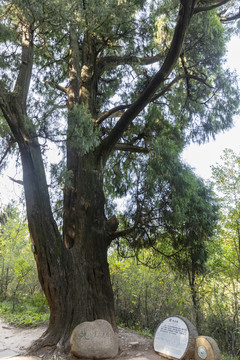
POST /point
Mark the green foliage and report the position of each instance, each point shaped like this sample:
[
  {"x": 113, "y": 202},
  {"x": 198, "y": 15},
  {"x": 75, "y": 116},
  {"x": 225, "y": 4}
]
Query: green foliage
[
  {"x": 178, "y": 219},
  {"x": 61, "y": 175},
  {"x": 19, "y": 287},
  {"x": 27, "y": 314},
  {"x": 227, "y": 357},
  {"x": 179, "y": 210},
  {"x": 226, "y": 178},
  {"x": 165, "y": 141},
  {"x": 144, "y": 297},
  {"x": 199, "y": 106},
  {"x": 83, "y": 135}
]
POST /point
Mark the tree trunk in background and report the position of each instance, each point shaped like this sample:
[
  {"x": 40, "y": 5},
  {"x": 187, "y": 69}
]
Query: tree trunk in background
[{"x": 195, "y": 300}]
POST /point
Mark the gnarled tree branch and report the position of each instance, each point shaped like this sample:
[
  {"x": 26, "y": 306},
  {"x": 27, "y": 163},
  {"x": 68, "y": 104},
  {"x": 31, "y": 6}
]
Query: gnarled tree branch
[
  {"x": 25, "y": 71},
  {"x": 178, "y": 78},
  {"x": 131, "y": 148},
  {"x": 183, "y": 20},
  {"x": 116, "y": 109},
  {"x": 108, "y": 61},
  {"x": 208, "y": 8},
  {"x": 56, "y": 86},
  {"x": 20, "y": 182},
  {"x": 230, "y": 18},
  {"x": 122, "y": 233},
  {"x": 110, "y": 112}
]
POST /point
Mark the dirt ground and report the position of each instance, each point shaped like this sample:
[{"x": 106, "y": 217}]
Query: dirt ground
[{"x": 14, "y": 342}]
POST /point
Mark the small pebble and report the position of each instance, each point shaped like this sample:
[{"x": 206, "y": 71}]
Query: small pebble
[{"x": 134, "y": 343}]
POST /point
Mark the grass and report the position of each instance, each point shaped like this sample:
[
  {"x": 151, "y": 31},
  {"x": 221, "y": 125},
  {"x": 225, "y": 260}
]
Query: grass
[
  {"x": 227, "y": 357},
  {"x": 24, "y": 313}
]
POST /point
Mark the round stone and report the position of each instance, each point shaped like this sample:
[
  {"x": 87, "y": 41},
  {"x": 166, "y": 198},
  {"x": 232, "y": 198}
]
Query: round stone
[
  {"x": 206, "y": 348},
  {"x": 94, "y": 340}
]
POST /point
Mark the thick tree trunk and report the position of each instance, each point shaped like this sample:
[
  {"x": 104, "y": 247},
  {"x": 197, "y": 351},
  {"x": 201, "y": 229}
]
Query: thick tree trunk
[
  {"x": 76, "y": 279},
  {"x": 86, "y": 235}
]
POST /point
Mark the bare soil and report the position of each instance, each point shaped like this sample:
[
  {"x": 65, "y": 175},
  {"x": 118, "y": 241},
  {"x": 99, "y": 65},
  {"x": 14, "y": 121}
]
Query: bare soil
[
  {"x": 136, "y": 346},
  {"x": 14, "y": 342}
]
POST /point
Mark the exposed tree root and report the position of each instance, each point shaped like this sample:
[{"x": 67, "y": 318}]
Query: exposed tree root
[{"x": 50, "y": 346}]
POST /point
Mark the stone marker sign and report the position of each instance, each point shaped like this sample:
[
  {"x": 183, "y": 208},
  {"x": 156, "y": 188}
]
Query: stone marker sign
[
  {"x": 94, "y": 340},
  {"x": 206, "y": 349},
  {"x": 175, "y": 338}
]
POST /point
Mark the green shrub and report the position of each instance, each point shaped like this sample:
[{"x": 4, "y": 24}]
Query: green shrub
[{"x": 23, "y": 315}]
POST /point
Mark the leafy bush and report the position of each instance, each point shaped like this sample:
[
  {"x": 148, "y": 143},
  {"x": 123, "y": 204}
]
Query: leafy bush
[
  {"x": 23, "y": 315},
  {"x": 22, "y": 301}
]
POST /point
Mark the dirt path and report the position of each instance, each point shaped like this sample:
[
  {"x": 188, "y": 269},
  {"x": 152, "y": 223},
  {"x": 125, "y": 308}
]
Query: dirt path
[{"x": 14, "y": 341}]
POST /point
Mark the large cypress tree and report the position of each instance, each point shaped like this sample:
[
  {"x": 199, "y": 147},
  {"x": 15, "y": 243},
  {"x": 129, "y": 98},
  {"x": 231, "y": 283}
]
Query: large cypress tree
[{"x": 116, "y": 85}]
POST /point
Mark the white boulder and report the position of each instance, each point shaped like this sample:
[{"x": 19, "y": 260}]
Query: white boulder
[{"x": 95, "y": 339}]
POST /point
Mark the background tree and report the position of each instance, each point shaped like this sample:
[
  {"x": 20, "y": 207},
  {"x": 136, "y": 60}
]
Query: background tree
[
  {"x": 115, "y": 85},
  {"x": 226, "y": 177},
  {"x": 18, "y": 278},
  {"x": 180, "y": 229},
  {"x": 145, "y": 295},
  {"x": 200, "y": 228}
]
